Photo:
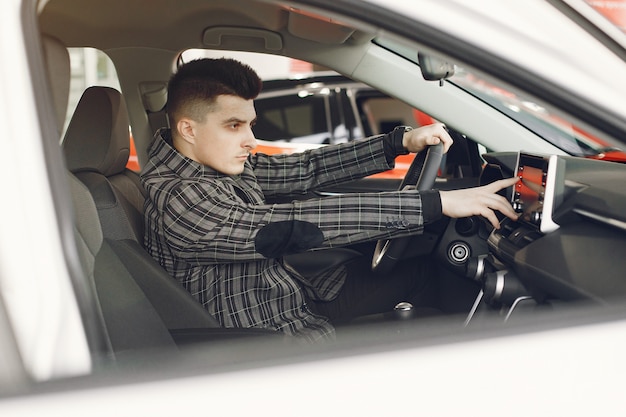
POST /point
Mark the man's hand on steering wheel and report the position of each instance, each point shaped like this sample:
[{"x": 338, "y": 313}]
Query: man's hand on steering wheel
[
  {"x": 417, "y": 140},
  {"x": 479, "y": 201},
  {"x": 433, "y": 141}
]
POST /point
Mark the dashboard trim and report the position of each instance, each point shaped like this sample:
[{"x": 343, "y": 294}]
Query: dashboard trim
[
  {"x": 547, "y": 223},
  {"x": 611, "y": 222}
]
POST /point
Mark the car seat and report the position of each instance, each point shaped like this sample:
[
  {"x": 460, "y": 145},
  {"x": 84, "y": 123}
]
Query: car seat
[
  {"x": 121, "y": 313},
  {"x": 96, "y": 147},
  {"x": 129, "y": 319}
]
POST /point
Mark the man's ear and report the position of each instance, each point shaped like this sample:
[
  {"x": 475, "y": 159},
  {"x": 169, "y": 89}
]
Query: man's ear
[{"x": 186, "y": 130}]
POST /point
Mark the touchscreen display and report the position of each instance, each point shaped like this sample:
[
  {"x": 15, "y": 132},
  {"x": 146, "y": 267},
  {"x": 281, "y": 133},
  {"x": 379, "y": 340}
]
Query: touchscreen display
[{"x": 529, "y": 193}]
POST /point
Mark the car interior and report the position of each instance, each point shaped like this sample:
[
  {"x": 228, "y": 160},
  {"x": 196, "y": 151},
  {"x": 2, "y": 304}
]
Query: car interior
[{"x": 131, "y": 304}]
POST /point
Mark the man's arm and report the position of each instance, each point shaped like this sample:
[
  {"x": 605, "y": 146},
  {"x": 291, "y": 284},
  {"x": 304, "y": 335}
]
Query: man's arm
[
  {"x": 329, "y": 165},
  {"x": 207, "y": 227},
  {"x": 334, "y": 164}
]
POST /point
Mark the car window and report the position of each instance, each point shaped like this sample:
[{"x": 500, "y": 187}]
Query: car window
[
  {"x": 302, "y": 106},
  {"x": 554, "y": 128},
  {"x": 301, "y": 103},
  {"x": 312, "y": 115},
  {"x": 557, "y": 130},
  {"x": 292, "y": 117}
]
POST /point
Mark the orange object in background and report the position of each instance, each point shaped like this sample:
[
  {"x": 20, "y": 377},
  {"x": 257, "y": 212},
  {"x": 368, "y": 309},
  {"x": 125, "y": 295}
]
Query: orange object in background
[
  {"x": 613, "y": 10},
  {"x": 403, "y": 162},
  {"x": 133, "y": 161},
  {"x": 422, "y": 118},
  {"x": 271, "y": 148}
]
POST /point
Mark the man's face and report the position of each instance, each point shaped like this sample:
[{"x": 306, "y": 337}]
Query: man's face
[{"x": 224, "y": 140}]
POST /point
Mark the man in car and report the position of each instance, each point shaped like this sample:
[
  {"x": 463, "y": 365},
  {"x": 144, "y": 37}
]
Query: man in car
[{"x": 208, "y": 223}]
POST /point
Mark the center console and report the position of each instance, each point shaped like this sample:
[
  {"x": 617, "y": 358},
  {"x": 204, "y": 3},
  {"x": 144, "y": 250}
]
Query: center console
[
  {"x": 534, "y": 197},
  {"x": 571, "y": 226}
]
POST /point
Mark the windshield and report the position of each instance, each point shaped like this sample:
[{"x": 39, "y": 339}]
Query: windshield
[
  {"x": 555, "y": 129},
  {"x": 533, "y": 116}
]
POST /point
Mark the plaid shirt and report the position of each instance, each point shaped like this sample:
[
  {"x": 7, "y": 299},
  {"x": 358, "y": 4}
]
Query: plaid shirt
[{"x": 202, "y": 227}]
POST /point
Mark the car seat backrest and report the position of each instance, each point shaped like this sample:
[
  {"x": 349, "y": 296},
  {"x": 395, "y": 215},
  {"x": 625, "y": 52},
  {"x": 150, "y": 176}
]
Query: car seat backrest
[
  {"x": 124, "y": 316},
  {"x": 140, "y": 305},
  {"x": 96, "y": 147}
]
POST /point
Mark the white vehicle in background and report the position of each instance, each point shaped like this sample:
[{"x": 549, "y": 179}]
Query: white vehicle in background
[{"x": 534, "y": 316}]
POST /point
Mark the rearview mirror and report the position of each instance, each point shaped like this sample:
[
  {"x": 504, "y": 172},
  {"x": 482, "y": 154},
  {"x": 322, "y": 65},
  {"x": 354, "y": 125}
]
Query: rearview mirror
[{"x": 434, "y": 69}]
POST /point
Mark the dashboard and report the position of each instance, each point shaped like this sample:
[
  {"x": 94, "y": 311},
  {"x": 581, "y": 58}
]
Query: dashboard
[{"x": 570, "y": 240}]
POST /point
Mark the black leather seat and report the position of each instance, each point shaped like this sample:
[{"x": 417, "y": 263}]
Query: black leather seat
[
  {"x": 96, "y": 147},
  {"x": 129, "y": 321}
]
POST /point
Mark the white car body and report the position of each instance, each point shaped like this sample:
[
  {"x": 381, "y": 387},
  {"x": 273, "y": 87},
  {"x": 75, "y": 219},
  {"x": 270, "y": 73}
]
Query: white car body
[{"x": 576, "y": 369}]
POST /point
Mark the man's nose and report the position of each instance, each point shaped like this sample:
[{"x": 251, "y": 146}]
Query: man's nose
[{"x": 249, "y": 141}]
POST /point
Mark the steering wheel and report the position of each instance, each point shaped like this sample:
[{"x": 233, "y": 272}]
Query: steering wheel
[{"x": 422, "y": 173}]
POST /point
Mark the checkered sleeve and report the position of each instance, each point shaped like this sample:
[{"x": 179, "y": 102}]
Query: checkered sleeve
[
  {"x": 213, "y": 227},
  {"x": 206, "y": 220},
  {"x": 302, "y": 172}
]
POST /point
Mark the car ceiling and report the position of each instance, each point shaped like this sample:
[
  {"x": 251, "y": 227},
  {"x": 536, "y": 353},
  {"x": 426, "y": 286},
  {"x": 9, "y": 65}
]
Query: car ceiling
[
  {"x": 160, "y": 29},
  {"x": 177, "y": 25}
]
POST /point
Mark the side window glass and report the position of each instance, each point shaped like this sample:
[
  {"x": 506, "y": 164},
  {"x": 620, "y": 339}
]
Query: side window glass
[
  {"x": 380, "y": 114},
  {"x": 291, "y": 118},
  {"x": 302, "y": 106}
]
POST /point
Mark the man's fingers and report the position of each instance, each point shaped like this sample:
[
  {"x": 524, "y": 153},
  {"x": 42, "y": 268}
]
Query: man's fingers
[
  {"x": 444, "y": 137},
  {"x": 491, "y": 216},
  {"x": 502, "y": 204},
  {"x": 501, "y": 184},
  {"x": 417, "y": 139},
  {"x": 483, "y": 201}
]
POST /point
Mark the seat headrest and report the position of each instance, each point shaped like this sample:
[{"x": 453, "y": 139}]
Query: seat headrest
[
  {"x": 97, "y": 138},
  {"x": 59, "y": 74}
]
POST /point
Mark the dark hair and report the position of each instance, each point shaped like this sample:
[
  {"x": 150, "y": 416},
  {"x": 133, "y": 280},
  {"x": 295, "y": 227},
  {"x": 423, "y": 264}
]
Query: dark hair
[{"x": 195, "y": 86}]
